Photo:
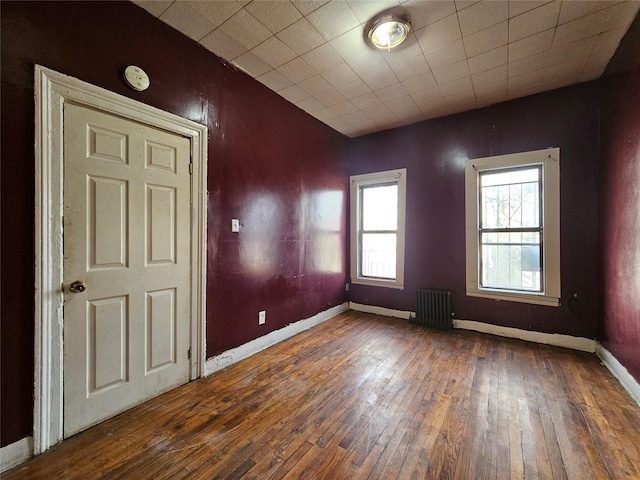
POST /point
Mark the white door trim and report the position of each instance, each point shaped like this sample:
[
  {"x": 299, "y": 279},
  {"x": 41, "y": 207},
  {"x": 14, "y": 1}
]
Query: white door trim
[{"x": 52, "y": 91}]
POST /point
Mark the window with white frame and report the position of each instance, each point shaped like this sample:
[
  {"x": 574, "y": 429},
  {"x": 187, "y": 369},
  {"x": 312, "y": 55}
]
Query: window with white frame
[
  {"x": 513, "y": 227},
  {"x": 377, "y": 228}
]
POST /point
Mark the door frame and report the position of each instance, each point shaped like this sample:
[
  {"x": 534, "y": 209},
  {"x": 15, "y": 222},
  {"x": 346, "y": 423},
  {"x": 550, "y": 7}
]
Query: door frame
[{"x": 52, "y": 91}]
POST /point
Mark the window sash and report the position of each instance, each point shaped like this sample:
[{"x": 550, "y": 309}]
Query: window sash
[
  {"x": 483, "y": 232},
  {"x": 365, "y": 267}
]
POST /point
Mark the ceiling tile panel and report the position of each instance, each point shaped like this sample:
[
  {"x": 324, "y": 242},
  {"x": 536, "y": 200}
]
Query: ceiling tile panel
[
  {"x": 350, "y": 44},
  {"x": 570, "y": 71},
  {"x": 411, "y": 68},
  {"x": 524, "y": 81},
  {"x": 492, "y": 90},
  {"x": 275, "y": 15},
  {"x": 392, "y": 92},
  {"x": 443, "y": 56},
  {"x": 488, "y": 60},
  {"x": 482, "y": 15},
  {"x": 400, "y": 104},
  {"x": 528, "y": 64},
  {"x": 355, "y": 117},
  {"x": 574, "y": 9},
  {"x": 366, "y": 10},
  {"x": 518, "y": 7},
  {"x": 534, "y": 21},
  {"x": 301, "y": 36},
  {"x": 581, "y": 28},
  {"x": 333, "y": 19},
  {"x": 322, "y": 58},
  {"x": 622, "y": 15},
  {"x": 370, "y": 100},
  {"x": 297, "y": 70},
  {"x": 330, "y": 98},
  {"x": 489, "y": 77},
  {"x": 439, "y": 33},
  {"x": 368, "y": 64},
  {"x": 408, "y": 50},
  {"x": 344, "y": 108},
  {"x": 462, "y": 4},
  {"x": 252, "y": 64},
  {"x": 274, "y": 52},
  {"x": 222, "y": 45},
  {"x": 325, "y": 114},
  {"x": 274, "y": 80},
  {"x": 431, "y": 95},
  {"x": 183, "y": 17},
  {"x": 463, "y": 84},
  {"x": 354, "y": 89},
  {"x": 294, "y": 93},
  {"x": 531, "y": 45},
  {"x": 571, "y": 51},
  {"x": 420, "y": 83},
  {"x": 381, "y": 79},
  {"x": 609, "y": 41},
  {"x": 310, "y": 105},
  {"x": 305, "y": 7},
  {"x": 451, "y": 72},
  {"x": 595, "y": 67},
  {"x": 315, "y": 85},
  {"x": 425, "y": 13},
  {"x": 339, "y": 75},
  {"x": 245, "y": 29},
  {"x": 154, "y": 7},
  {"x": 217, "y": 13},
  {"x": 487, "y": 39}
]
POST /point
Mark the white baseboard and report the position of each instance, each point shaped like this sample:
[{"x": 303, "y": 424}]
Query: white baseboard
[
  {"x": 386, "y": 312},
  {"x": 555, "y": 339},
  {"x": 234, "y": 355},
  {"x": 16, "y": 453},
  {"x": 619, "y": 371},
  {"x": 558, "y": 340}
]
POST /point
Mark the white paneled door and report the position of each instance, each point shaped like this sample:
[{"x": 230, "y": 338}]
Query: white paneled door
[{"x": 127, "y": 265}]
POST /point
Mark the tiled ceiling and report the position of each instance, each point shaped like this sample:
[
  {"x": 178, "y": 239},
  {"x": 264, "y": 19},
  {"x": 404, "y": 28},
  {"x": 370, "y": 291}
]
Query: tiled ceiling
[{"x": 460, "y": 55}]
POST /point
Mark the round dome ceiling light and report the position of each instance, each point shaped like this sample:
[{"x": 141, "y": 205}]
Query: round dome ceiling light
[{"x": 387, "y": 30}]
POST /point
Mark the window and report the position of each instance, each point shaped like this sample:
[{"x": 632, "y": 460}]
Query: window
[
  {"x": 377, "y": 228},
  {"x": 513, "y": 227}
]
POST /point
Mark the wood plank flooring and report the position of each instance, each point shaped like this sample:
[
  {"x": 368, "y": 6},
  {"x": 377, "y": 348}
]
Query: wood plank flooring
[{"x": 362, "y": 396}]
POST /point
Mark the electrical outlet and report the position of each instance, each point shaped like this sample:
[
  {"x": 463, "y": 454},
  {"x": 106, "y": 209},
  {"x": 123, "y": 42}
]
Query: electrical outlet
[
  {"x": 235, "y": 225},
  {"x": 346, "y": 287},
  {"x": 262, "y": 317}
]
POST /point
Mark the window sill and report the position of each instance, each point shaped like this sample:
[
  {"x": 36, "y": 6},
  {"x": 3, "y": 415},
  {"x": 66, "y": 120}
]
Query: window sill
[
  {"x": 516, "y": 297},
  {"x": 378, "y": 283}
]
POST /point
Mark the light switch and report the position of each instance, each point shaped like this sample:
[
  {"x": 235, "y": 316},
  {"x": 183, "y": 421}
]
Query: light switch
[{"x": 235, "y": 225}]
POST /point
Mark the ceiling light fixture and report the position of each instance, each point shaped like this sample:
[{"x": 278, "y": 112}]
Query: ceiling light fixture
[{"x": 387, "y": 30}]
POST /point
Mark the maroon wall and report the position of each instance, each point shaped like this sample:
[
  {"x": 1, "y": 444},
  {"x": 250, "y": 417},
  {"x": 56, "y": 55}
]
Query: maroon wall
[
  {"x": 435, "y": 152},
  {"x": 619, "y": 328},
  {"x": 281, "y": 172}
]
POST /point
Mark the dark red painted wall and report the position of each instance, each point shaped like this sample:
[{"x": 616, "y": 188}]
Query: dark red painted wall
[
  {"x": 434, "y": 153},
  {"x": 281, "y": 172},
  {"x": 619, "y": 329}
]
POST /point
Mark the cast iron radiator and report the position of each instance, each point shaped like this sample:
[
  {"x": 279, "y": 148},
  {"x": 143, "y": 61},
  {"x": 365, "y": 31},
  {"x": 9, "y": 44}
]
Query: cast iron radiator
[{"x": 434, "y": 308}]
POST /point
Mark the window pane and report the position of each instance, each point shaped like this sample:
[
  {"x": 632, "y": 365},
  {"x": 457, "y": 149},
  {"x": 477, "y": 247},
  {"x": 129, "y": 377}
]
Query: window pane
[
  {"x": 513, "y": 264},
  {"x": 510, "y": 199},
  {"x": 380, "y": 207},
  {"x": 378, "y": 255}
]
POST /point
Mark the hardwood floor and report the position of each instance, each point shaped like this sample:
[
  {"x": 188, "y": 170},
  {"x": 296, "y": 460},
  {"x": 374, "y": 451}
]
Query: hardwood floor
[{"x": 362, "y": 396}]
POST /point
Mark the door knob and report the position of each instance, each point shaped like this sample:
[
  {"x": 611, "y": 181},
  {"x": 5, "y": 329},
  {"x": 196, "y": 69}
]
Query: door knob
[{"x": 77, "y": 287}]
